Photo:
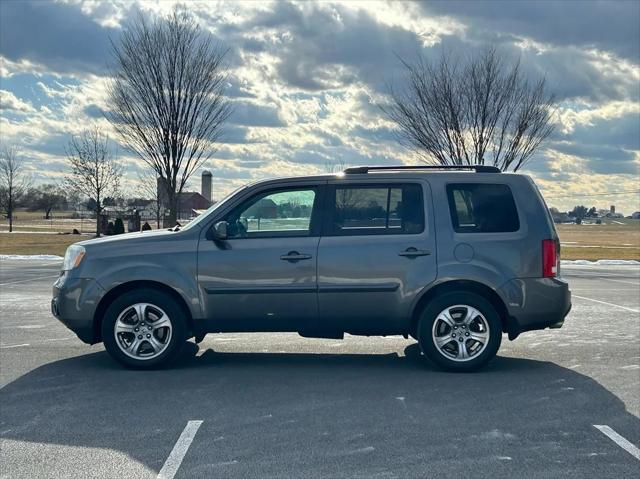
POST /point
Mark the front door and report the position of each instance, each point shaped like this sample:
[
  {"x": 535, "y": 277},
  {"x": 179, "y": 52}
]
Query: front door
[
  {"x": 376, "y": 253},
  {"x": 263, "y": 276}
]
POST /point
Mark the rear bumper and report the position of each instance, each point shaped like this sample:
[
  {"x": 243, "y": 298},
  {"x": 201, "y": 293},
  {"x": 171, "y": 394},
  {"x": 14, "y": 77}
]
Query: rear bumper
[
  {"x": 535, "y": 303},
  {"x": 74, "y": 303}
]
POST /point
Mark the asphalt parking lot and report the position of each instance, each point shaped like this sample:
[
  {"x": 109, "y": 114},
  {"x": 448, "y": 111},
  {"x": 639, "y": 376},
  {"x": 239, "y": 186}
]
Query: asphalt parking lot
[{"x": 278, "y": 405}]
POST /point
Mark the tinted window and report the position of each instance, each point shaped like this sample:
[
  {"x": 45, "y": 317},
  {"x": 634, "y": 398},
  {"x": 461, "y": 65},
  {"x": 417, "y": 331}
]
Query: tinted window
[
  {"x": 377, "y": 209},
  {"x": 481, "y": 208},
  {"x": 280, "y": 213}
]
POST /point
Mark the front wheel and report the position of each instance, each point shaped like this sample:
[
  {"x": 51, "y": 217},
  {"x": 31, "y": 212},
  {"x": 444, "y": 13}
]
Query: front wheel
[
  {"x": 144, "y": 329},
  {"x": 460, "y": 331}
]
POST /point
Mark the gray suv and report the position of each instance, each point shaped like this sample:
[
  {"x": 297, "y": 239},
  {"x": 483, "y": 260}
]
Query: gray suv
[{"x": 452, "y": 256}]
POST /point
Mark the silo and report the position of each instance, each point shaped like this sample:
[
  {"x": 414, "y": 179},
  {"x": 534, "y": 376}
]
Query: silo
[
  {"x": 206, "y": 185},
  {"x": 162, "y": 191}
]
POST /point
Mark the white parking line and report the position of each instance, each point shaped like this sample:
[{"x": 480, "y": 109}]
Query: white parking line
[
  {"x": 35, "y": 343},
  {"x": 608, "y": 304},
  {"x": 620, "y": 281},
  {"x": 178, "y": 452},
  {"x": 600, "y": 289},
  {"x": 30, "y": 279},
  {"x": 619, "y": 440},
  {"x": 595, "y": 276},
  {"x": 14, "y": 346}
]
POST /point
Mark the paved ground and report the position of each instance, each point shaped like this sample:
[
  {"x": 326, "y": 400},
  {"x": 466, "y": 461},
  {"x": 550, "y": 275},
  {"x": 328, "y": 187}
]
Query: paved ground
[{"x": 282, "y": 406}]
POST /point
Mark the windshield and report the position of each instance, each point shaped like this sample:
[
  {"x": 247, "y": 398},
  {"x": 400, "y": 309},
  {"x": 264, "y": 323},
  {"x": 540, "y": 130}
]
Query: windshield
[{"x": 211, "y": 209}]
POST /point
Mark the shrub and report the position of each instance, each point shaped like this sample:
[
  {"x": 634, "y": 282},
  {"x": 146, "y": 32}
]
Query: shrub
[{"x": 118, "y": 227}]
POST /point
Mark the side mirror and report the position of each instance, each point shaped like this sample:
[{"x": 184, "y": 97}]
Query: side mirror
[{"x": 220, "y": 230}]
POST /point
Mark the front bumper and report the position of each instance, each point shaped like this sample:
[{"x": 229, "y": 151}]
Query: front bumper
[
  {"x": 74, "y": 303},
  {"x": 535, "y": 303}
]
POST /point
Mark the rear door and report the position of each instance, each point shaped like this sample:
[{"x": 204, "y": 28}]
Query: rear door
[{"x": 376, "y": 253}]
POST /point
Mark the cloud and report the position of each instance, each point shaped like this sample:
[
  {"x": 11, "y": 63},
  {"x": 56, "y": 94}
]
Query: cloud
[
  {"x": 234, "y": 134},
  {"x": 93, "y": 111},
  {"x": 58, "y": 36},
  {"x": 307, "y": 79},
  {"x": 323, "y": 46},
  {"x": 9, "y": 102},
  {"x": 251, "y": 114},
  {"x": 606, "y": 26},
  {"x": 622, "y": 131},
  {"x": 600, "y": 158}
]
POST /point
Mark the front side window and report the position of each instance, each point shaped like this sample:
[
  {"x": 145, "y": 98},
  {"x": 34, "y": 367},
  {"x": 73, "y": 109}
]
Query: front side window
[
  {"x": 377, "y": 209},
  {"x": 482, "y": 208},
  {"x": 273, "y": 214}
]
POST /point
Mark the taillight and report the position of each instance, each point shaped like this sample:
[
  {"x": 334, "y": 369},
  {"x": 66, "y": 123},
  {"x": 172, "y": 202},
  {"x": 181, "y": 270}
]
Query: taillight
[{"x": 549, "y": 258}]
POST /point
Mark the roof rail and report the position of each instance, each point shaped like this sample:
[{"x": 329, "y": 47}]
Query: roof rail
[{"x": 366, "y": 169}]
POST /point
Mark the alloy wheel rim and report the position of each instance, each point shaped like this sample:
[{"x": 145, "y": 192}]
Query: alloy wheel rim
[
  {"x": 460, "y": 333},
  {"x": 143, "y": 331}
]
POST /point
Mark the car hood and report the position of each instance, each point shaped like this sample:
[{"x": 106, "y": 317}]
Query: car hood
[{"x": 128, "y": 237}]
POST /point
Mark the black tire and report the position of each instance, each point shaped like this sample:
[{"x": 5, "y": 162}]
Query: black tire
[
  {"x": 165, "y": 302},
  {"x": 429, "y": 316}
]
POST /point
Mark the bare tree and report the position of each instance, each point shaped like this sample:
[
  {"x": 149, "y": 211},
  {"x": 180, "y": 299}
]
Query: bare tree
[
  {"x": 14, "y": 181},
  {"x": 46, "y": 198},
  {"x": 148, "y": 186},
  {"x": 481, "y": 110},
  {"x": 335, "y": 166},
  {"x": 95, "y": 172},
  {"x": 166, "y": 97}
]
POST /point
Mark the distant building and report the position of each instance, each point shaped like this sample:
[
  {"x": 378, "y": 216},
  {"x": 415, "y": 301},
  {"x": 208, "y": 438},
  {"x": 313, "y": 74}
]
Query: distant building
[
  {"x": 189, "y": 201},
  {"x": 561, "y": 217},
  {"x": 265, "y": 208}
]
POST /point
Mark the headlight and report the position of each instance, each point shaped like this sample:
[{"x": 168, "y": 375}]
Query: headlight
[{"x": 73, "y": 257}]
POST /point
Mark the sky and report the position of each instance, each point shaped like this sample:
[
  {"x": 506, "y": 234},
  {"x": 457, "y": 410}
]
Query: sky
[{"x": 306, "y": 80}]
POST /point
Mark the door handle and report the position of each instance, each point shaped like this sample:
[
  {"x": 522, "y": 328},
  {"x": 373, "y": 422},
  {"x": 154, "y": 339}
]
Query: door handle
[
  {"x": 294, "y": 256},
  {"x": 413, "y": 252}
]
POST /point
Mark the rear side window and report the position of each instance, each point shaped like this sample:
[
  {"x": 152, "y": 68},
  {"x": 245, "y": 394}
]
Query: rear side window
[
  {"x": 482, "y": 208},
  {"x": 377, "y": 210}
]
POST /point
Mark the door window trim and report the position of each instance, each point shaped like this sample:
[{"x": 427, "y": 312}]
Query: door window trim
[
  {"x": 329, "y": 208},
  {"x": 315, "y": 223}
]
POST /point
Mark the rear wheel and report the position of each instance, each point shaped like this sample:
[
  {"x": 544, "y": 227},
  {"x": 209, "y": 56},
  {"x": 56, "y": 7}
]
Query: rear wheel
[
  {"x": 144, "y": 329},
  {"x": 460, "y": 331}
]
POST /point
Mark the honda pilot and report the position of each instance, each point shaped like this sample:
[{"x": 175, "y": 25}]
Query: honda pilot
[{"x": 454, "y": 257}]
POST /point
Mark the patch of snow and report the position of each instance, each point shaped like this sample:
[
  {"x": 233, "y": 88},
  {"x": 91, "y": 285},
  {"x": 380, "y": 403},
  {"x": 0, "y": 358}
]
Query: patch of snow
[
  {"x": 600, "y": 262},
  {"x": 39, "y": 257},
  {"x": 362, "y": 450},
  {"x": 495, "y": 434}
]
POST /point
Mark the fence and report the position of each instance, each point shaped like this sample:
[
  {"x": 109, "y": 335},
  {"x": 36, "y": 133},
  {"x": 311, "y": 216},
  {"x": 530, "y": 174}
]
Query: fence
[{"x": 61, "y": 222}]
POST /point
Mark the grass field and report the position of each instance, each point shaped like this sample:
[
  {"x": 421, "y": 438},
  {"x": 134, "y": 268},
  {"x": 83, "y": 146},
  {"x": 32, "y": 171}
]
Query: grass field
[
  {"x": 592, "y": 242},
  {"x": 609, "y": 240},
  {"x": 37, "y": 243}
]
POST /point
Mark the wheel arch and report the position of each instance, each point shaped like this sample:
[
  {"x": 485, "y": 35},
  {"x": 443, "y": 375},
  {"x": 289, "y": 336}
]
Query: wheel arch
[
  {"x": 113, "y": 293},
  {"x": 462, "y": 286}
]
